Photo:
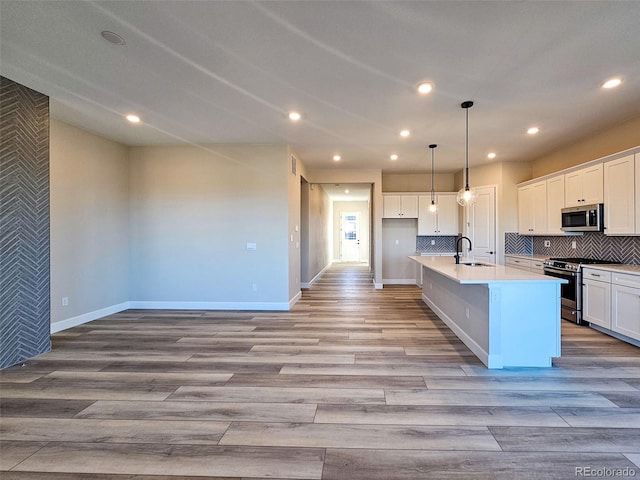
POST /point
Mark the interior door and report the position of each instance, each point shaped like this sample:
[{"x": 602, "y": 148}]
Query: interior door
[
  {"x": 350, "y": 236},
  {"x": 480, "y": 225}
]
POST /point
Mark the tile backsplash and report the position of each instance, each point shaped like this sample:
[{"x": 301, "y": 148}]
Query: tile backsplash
[
  {"x": 441, "y": 244},
  {"x": 589, "y": 245}
]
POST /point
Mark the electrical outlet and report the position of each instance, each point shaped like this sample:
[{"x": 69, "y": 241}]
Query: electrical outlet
[
  {"x": 65, "y": 301},
  {"x": 254, "y": 287},
  {"x": 466, "y": 312},
  {"x": 433, "y": 242},
  {"x": 573, "y": 244},
  {"x": 547, "y": 243}
]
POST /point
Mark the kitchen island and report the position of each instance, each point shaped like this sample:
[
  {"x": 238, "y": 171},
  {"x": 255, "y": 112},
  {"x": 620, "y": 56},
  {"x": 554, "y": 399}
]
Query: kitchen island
[{"x": 507, "y": 317}]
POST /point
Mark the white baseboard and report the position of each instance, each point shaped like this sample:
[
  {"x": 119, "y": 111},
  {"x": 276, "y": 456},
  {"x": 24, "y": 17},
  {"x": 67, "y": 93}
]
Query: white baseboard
[
  {"x": 276, "y": 306},
  {"x": 399, "y": 281},
  {"x": 314, "y": 279},
  {"x": 88, "y": 317},
  {"x": 377, "y": 286},
  {"x": 294, "y": 300}
]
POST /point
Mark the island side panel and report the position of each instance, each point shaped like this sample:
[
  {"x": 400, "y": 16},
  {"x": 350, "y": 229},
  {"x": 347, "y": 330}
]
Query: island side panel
[
  {"x": 525, "y": 323},
  {"x": 450, "y": 301}
]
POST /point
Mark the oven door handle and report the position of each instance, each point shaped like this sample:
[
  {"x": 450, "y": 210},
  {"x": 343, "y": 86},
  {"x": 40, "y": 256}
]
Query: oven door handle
[{"x": 558, "y": 271}]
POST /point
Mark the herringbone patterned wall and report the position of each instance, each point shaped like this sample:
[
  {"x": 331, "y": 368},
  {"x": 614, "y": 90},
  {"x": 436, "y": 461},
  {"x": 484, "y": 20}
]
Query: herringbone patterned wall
[
  {"x": 24, "y": 223},
  {"x": 590, "y": 245}
]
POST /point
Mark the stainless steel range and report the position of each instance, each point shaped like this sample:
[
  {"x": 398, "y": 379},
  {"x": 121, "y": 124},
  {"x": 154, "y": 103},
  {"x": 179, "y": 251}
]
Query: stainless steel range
[{"x": 571, "y": 293}]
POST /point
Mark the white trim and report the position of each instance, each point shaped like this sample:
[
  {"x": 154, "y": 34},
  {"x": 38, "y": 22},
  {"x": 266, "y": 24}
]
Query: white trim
[
  {"x": 88, "y": 317},
  {"x": 493, "y": 361},
  {"x": 314, "y": 279},
  {"x": 399, "y": 281},
  {"x": 281, "y": 306},
  {"x": 295, "y": 299},
  {"x": 378, "y": 286}
]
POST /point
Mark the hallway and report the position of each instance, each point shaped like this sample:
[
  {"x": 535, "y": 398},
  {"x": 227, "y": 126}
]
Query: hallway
[{"x": 353, "y": 383}]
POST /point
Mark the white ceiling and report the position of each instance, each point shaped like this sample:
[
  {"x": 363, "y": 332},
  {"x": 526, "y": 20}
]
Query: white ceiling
[{"x": 229, "y": 71}]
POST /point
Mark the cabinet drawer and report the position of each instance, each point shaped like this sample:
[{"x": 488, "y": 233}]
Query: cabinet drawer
[
  {"x": 599, "y": 275},
  {"x": 626, "y": 279},
  {"x": 520, "y": 263},
  {"x": 537, "y": 267}
]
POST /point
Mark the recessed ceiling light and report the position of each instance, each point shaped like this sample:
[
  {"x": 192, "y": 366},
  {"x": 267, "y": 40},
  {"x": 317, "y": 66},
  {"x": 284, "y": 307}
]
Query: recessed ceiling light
[
  {"x": 424, "y": 88},
  {"x": 346, "y": 191},
  {"x": 133, "y": 118},
  {"x": 337, "y": 158},
  {"x": 294, "y": 116},
  {"x": 405, "y": 133},
  {"x": 612, "y": 83},
  {"x": 112, "y": 37},
  {"x": 491, "y": 155},
  {"x": 393, "y": 156},
  {"x": 533, "y": 130}
]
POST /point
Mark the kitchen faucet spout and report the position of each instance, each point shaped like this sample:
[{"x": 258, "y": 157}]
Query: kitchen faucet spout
[{"x": 458, "y": 251}]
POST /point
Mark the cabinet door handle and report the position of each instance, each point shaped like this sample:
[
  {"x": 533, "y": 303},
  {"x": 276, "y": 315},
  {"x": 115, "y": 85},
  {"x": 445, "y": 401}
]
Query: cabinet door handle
[{"x": 595, "y": 275}]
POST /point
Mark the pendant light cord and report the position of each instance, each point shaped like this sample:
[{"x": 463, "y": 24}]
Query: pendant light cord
[
  {"x": 433, "y": 196},
  {"x": 467, "y": 151},
  {"x": 467, "y": 105}
]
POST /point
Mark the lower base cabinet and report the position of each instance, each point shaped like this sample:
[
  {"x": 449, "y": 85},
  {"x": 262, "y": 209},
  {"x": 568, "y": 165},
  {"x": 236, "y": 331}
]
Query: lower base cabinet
[
  {"x": 611, "y": 300},
  {"x": 596, "y": 306},
  {"x": 625, "y": 310}
]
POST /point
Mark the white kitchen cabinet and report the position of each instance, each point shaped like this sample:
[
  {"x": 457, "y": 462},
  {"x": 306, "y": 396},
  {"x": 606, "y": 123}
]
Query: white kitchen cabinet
[
  {"x": 519, "y": 263},
  {"x": 525, "y": 210},
  {"x": 620, "y": 196},
  {"x": 596, "y": 297},
  {"x": 532, "y": 209},
  {"x": 537, "y": 266},
  {"x": 555, "y": 203},
  {"x": 400, "y": 206},
  {"x": 444, "y": 222},
  {"x": 637, "y": 199},
  {"x": 625, "y": 304},
  {"x": 584, "y": 186}
]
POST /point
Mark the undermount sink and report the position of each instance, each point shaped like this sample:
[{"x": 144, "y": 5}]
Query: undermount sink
[{"x": 474, "y": 264}]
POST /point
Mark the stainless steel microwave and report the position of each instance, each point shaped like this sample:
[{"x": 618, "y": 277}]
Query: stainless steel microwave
[{"x": 585, "y": 218}]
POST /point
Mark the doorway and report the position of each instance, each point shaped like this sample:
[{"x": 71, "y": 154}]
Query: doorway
[
  {"x": 349, "y": 236},
  {"x": 480, "y": 225}
]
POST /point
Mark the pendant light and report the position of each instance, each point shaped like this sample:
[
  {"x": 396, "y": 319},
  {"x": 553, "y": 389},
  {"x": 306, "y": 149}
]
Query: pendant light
[
  {"x": 466, "y": 196},
  {"x": 433, "y": 206}
]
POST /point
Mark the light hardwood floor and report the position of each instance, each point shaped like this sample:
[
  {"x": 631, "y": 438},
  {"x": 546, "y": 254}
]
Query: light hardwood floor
[{"x": 353, "y": 383}]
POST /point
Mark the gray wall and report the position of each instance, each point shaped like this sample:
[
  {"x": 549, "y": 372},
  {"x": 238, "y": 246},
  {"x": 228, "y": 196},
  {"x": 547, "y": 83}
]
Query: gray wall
[
  {"x": 24, "y": 223},
  {"x": 89, "y": 226},
  {"x": 193, "y": 211}
]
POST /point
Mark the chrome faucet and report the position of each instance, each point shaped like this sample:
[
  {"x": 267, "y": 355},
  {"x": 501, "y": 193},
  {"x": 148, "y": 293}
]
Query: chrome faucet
[{"x": 458, "y": 252}]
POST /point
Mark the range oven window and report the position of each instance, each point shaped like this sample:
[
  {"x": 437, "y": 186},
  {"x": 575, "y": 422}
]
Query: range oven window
[{"x": 567, "y": 290}]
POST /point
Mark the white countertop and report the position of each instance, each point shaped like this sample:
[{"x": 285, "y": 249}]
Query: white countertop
[
  {"x": 480, "y": 275},
  {"x": 541, "y": 258},
  {"x": 632, "y": 269}
]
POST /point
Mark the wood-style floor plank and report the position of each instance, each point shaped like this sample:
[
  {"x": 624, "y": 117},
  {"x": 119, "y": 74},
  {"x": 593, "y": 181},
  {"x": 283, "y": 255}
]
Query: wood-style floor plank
[
  {"x": 412, "y": 437},
  {"x": 158, "y": 459},
  {"x": 197, "y": 411},
  {"x": 352, "y": 464},
  {"x": 352, "y": 383}
]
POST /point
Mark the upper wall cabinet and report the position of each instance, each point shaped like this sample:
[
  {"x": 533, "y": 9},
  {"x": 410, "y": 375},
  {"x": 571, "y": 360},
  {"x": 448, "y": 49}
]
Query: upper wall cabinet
[
  {"x": 532, "y": 209},
  {"x": 637, "y": 199},
  {"x": 584, "y": 186},
  {"x": 444, "y": 222},
  {"x": 620, "y": 203},
  {"x": 399, "y": 206},
  {"x": 555, "y": 203}
]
